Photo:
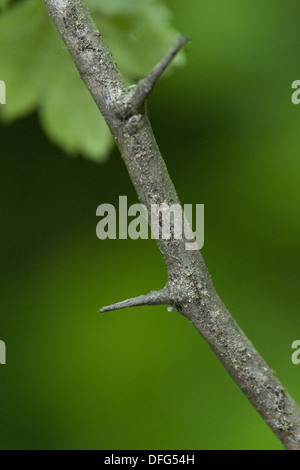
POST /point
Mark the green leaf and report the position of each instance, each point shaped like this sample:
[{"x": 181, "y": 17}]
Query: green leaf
[
  {"x": 138, "y": 32},
  {"x": 70, "y": 116},
  {"x": 19, "y": 52},
  {"x": 40, "y": 75}
]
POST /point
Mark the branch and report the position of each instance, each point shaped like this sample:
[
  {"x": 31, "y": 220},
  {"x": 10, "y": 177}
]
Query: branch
[
  {"x": 153, "y": 298},
  {"x": 190, "y": 286}
]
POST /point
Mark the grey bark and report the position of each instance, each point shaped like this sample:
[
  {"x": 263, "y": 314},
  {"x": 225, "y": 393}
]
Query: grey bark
[{"x": 189, "y": 288}]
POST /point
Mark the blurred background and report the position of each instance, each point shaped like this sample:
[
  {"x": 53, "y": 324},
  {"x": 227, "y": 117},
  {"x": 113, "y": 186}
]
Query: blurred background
[{"x": 143, "y": 378}]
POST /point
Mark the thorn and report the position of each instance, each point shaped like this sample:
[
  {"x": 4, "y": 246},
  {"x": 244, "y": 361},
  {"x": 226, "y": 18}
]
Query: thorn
[
  {"x": 144, "y": 87},
  {"x": 153, "y": 298}
]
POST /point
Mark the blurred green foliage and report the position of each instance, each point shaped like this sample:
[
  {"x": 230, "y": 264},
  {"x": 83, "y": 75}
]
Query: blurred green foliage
[
  {"x": 4, "y": 4},
  {"x": 41, "y": 75},
  {"x": 143, "y": 378}
]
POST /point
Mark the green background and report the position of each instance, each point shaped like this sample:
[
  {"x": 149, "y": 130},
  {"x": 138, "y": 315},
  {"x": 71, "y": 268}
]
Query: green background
[{"x": 143, "y": 378}]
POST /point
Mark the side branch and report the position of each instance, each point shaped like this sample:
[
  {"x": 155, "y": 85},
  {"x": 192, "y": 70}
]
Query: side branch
[
  {"x": 146, "y": 84},
  {"x": 191, "y": 289},
  {"x": 153, "y": 298}
]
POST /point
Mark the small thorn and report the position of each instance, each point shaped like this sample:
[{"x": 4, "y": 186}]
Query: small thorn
[
  {"x": 153, "y": 298},
  {"x": 144, "y": 87}
]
